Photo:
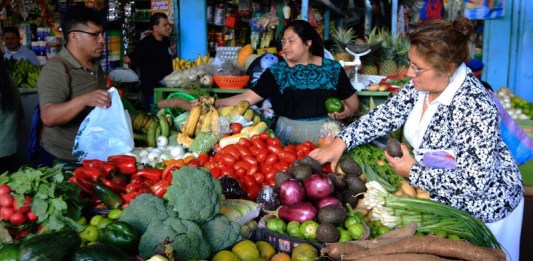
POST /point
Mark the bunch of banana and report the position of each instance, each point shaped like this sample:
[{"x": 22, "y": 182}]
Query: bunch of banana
[
  {"x": 243, "y": 109},
  {"x": 235, "y": 209},
  {"x": 147, "y": 127},
  {"x": 202, "y": 117},
  {"x": 23, "y": 73},
  {"x": 180, "y": 64}
]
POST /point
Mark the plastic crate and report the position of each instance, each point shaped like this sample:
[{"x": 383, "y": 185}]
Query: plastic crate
[{"x": 281, "y": 242}]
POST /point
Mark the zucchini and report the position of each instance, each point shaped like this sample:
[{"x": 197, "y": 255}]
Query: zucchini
[
  {"x": 53, "y": 246},
  {"x": 101, "y": 252}
]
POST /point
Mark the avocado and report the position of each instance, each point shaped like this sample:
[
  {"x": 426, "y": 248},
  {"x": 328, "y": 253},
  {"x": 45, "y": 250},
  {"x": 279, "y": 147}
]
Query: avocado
[
  {"x": 334, "y": 214},
  {"x": 339, "y": 180},
  {"x": 394, "y": 148},
  {"x": 281, "y": 177},
  {"x": 327, "y": 233},
  {"x": 315, "y": 165},
  {"x": 301, "y": 171},
  {"x": 355, "y": 184},
  {"x": 350, "y": 167},
  {"x": 350, "y": 197}
]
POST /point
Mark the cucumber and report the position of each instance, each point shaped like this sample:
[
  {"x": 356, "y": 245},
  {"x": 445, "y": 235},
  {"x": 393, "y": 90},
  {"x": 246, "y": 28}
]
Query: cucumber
[
  {"x": 50, "y": 247},
  {"x": 101, "y": 252}
]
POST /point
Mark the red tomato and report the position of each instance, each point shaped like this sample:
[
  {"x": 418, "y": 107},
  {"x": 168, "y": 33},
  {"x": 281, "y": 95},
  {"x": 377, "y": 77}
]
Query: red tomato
[
  {"x": 202, "y": 159},
  {"x": 217, "y": 148},
  {"x": 6, "y": 201},
  {"x": 254, "y": 150},
  {"x": 4, "y": 189},
  {"x": 265, "y": 168},
  {"x": 310, "y": 144},
  {"x": 259, "y": 178},
  {"x": 252, "y": 170},
  {"x": 271, "y": 159},
  {"x": 243, "y": 150},
  {"x": 241, "y": 164},
  {"x": 281, "y": 166},
  {"x": 287, "y": 156},
  {"x": 270, "y": 182},
  {"x": 193, "y": 163},
  {"x": 235, "y": 128},
  {"x": 270, "y": 174},
  {"x": 232, "y": 150},
  {"x": 245, "y": 142},
  {"x": 302, "y": 150},
  {"x": 255, "y": 137},
  {"x": 274, "y": 149},
  {"x": 248, "y": 181},
  {"x": 253, "y": 191},
  {"x": 240, "y": 172},
  {"x": 216, "y": 172},
  {"x": 274, "y": 142},
  {"x": 261, "y": 157},
  {"x": 291, "y": 148},
  {"x": 250, "y": 160},
  {"x": 264, "y": 135},
  {"x": 259, "y": 143},
  {"x": 227, "y": 171},
  {"x": 209, "y": 165},
  {"x": 227, "y": 159}
]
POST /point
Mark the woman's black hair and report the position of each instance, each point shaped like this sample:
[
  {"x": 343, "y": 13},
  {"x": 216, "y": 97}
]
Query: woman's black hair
[
  {"x": 7, "y": 102},
  {"x": 306, "y": 32}
]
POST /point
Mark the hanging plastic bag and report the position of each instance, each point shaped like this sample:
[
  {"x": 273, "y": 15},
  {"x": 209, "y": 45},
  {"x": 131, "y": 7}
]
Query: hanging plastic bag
[
  {"x": 104, "y": 132},
  {"x": 518, "y": 142}
]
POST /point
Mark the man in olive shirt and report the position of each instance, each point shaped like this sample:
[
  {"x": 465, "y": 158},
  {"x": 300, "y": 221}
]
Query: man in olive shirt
[{"x": 70, "y": 86}]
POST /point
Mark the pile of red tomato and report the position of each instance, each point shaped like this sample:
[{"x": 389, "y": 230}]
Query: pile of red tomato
[
  {"x": 254, "y": 162},
  {"x": 12, "y": 213}
]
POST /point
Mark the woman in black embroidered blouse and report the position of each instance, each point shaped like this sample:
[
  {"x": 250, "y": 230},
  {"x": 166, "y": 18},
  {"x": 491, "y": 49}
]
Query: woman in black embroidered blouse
[
  {"x": 298, "y": 86},
  {"x": 446, "y": 110}
]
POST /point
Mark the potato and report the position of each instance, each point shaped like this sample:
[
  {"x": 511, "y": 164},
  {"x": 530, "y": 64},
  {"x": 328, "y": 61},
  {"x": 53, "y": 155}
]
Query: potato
[
  {"x": 373, "y": 88},
  {"x": 383, "y": 88}
]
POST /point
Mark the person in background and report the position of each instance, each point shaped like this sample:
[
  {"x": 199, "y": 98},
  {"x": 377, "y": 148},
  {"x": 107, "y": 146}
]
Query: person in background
[
  {"x": 14, "y": 48},
  {"x": 299, "y": 85},
  {"x": 445, "y": 108},
  {"x": 71, "y": 85},
  {"x": 10, "y": 115},
  {"x": 153, "y": 56}
]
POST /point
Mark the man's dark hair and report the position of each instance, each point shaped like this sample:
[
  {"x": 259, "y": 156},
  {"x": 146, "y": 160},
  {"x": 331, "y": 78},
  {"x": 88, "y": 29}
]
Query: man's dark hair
[
  {"x": 77, "y": 15},
  {"x": 154, "y": 19},
  {"x": 13, "y": 30}
]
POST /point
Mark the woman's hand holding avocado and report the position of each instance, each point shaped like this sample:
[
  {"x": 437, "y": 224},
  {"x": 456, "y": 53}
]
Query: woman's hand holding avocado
[{"x": 401, "y": 165}]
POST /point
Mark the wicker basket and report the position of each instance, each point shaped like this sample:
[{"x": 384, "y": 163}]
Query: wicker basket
[{"x": 231, "y": 82}]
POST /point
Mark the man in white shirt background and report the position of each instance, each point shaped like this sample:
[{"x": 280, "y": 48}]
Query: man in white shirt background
[{"x": 14, "y": 48}]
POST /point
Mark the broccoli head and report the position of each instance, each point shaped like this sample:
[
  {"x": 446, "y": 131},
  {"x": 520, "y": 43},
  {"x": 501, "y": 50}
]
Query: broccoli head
[
  {"x": 144, "y": 209},
  {"x": 185, "y": 237},
  {"x": 221, "y": 232},
  {"x": 194, "y": 194}
]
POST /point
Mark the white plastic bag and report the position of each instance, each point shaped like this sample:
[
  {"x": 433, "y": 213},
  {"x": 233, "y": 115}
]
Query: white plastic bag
[{"x": 104, "y": 132}]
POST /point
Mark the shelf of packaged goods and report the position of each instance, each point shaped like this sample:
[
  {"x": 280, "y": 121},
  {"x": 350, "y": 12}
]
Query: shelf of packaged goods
[{"x": 164, "y": 92}]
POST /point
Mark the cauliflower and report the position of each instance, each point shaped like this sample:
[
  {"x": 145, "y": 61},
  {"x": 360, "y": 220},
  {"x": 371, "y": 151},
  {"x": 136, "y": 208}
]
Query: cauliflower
[
  {"x": 221, "y": 232},
  {"x": 194, "y": 194},
  {"x": 185, "y": 238},
  {"x": 143, "y": 210}
]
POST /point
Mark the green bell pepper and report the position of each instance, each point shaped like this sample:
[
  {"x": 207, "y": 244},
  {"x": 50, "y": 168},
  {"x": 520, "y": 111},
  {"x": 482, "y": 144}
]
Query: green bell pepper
[
  {"x": 120, "y": 234},
  {"x": 10, "y": 252},
  {"x": 334, "y": 104}
]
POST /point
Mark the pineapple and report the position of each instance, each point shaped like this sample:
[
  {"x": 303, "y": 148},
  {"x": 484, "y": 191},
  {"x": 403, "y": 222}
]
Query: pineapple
[
  {"x": 402, "y": 48},
  {"x": 388, "y": 65},
  {"x": 342, "y": 37},
  {"x": 369, "y": 61}
]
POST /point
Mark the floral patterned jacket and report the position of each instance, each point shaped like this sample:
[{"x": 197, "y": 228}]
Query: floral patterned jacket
[{"x": 486, "y": 181}]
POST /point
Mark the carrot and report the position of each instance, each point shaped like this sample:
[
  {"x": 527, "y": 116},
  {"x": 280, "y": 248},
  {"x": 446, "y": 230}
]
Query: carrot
[
  {"x": 406, "y": 231},
  {"x": 433, "y": 246},
  {"x": 404, "y": 257}
]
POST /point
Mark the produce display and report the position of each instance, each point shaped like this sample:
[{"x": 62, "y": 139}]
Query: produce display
[{"x": 23, "y": 73}]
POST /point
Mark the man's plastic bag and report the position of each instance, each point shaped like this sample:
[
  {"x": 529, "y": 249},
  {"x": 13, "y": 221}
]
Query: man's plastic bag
[
  {"x": 518, "y": 142},
  {"x": 104, "y": 132}
]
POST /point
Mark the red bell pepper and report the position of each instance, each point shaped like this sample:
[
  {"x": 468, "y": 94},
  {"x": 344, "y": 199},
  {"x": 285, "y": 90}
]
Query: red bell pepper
[
  {"x": 160, "y": 188},
  {"x": 125, "y": 164},
  {"x": 106, "y": 167},
  {"x": 128, "y": 197},
  {"x": 84, "y": 182},
  {"x": 93, "y": 173},
  {"x": 149, "y": 174},
  {"x": 167, "y": 172},
  {"x": 136, "y": 187},
  {"x": 113, "y": 185}
]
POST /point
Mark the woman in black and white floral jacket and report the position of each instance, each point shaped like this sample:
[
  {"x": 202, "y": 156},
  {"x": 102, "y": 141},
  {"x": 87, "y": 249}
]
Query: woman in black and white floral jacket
[{"x": 445, "y": 110}]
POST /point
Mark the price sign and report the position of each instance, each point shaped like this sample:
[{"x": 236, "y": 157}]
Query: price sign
[{"x": 161, "y": 6}]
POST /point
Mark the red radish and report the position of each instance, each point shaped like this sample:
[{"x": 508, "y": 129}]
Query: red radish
[
  {"x": 22, "y": 234},
  {"x": 328, "y": 201},
  {"x": 7, "y": 212},
  {"x": 6, "y": 201},
  {"x": 17, "y": 219},
  {"x": 318, "y": 186},
  {"x": 26, "y": 207},
  {"x": 4, "y": 189},
  {"x": 291, "y": 191},
  {"x": 301, "y": 212},
  {"x": 32, "y": 217}
]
